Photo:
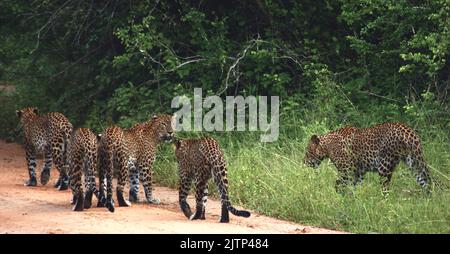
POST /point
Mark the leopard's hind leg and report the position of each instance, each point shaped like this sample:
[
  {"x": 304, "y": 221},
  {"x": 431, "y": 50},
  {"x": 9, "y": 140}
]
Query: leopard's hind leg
[
  {"x": 415, "y": 160},
  {"x": 201, "y": 195},
  {"x": 59, "y": 158},
  {"x": 124, "y": 164},
  {"x": 45, "y": 173},
  {"x": 145, "y": 175},
  {"x": 134, "y": 183},
  {"x": 185, "y": 185},
  {"x": 30, "y": 154},
  {"x": 420, "y": 170}
]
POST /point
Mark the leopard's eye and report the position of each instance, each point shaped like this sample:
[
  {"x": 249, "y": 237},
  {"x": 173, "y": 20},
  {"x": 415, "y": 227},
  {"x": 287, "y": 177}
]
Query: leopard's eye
[{"x": 164, "y": 124}]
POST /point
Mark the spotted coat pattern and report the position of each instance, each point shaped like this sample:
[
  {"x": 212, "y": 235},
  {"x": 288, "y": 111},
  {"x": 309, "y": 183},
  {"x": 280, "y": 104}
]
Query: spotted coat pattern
[
  {"x": 378, "y": 148},
  {"x": 132, "y": 151},
  {"x": 199, "y": 160},
  {"x": 48, "y": 134},
  {"x": 82, "y": 159}
]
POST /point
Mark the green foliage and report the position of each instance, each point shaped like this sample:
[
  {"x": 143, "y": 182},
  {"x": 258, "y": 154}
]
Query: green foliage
[
  {"x": 400, "y": 43},
  {"x": 8, "y": 120},
  {"x": 427, "y": 112}
]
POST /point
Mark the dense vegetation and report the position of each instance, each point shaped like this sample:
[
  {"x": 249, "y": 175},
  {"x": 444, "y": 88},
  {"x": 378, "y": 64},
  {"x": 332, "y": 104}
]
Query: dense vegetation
[{"x": 332, "y": 63}]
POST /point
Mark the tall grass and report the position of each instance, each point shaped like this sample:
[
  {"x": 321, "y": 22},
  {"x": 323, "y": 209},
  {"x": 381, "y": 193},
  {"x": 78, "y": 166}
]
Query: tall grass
[{"x": 271, "y": 179}]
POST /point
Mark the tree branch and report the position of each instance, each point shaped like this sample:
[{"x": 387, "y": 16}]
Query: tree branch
[{"x": 232, "y": 68}]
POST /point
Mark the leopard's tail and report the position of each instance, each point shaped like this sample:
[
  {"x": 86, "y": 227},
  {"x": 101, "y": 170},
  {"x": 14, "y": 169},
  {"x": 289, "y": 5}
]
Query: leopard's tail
[
  {"x": 105, "y": 170},
  {"x": 100, "y": 193},
  {"x": 68, "y": 133},
  {"x": 220, "y": 177},
  {"x": 241, "y": 213},
  {"x": 90, "y": 165}
]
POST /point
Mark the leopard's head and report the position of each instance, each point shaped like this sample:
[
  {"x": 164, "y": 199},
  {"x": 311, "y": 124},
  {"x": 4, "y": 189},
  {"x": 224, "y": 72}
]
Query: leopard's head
[
  {"x": 314, "y": 152},
  {"x": 27, "y": 114},
  {"x": 163, "y": 127}
]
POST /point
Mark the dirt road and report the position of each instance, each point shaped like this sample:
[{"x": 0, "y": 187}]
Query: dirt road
[{"x": 43, "y": 209}]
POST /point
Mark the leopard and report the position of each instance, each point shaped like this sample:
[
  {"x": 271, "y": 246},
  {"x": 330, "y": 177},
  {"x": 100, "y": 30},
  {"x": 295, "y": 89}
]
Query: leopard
[
  {"x": 200, "y": 160},
  {"x": 82, "y": 159},
  {"x": 48, "y": 134},
  {"x": 378, "y": 148},
  {"x": 133, "y": 152}
]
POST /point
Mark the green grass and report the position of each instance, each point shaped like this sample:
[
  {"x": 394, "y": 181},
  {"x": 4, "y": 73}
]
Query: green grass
[{"x": 271, "y": 179}]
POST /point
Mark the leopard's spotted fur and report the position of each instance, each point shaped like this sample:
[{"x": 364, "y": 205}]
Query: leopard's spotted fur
[
  {"x": 201, "y": 159},
  {"x": 82, "y": 158},
  {"x": 48, "y": 134},
  {"x": 378, "y": 148},
  {"x": 133, "y": 150}
]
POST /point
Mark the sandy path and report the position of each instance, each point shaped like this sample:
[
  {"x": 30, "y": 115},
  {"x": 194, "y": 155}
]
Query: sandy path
[{"x": 43, "y": 209}]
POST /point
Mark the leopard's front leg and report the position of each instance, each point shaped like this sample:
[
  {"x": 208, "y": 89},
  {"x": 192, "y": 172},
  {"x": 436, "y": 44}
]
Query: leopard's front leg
[
  {"x": 343, "y": 180},
  {"x": 359, "y": 175},
  {"x": 146, "y": 179},
  {"x": 346, "y": 169}
]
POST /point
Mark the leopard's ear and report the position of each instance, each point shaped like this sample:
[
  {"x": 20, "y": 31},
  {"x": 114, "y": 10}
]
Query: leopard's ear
[
  {"x": 154, "y": 117},
  {"x": 315, "y": 140},
  {"x": 36, "y": 111},
  {"x": 19, "y": 113}
]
